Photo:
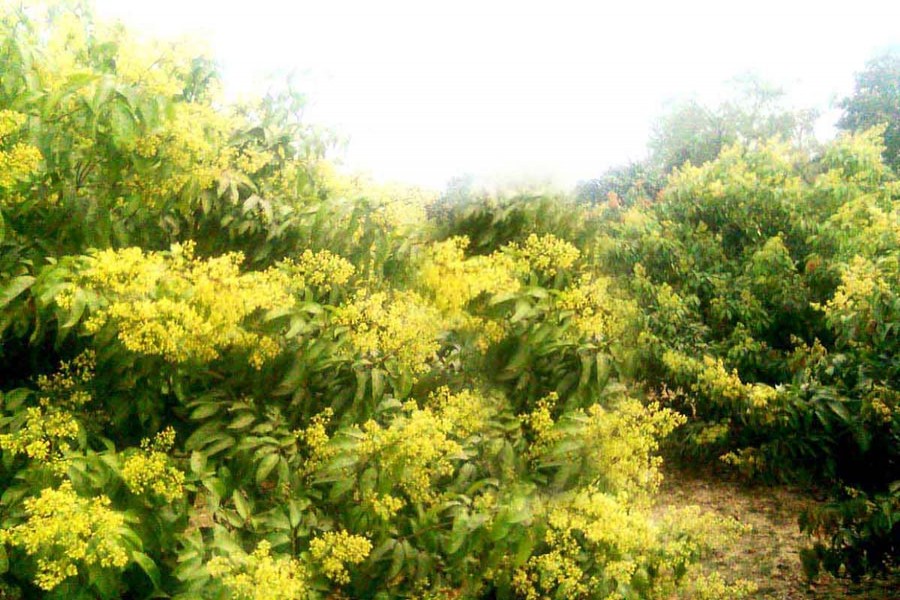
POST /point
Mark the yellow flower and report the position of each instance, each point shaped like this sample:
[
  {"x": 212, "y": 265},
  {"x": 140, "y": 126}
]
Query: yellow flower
[
  {"x": 397, "y": 326},
  {"x": 333, "y": 551},
  {"x": 454, "y": 280},
  {"x": 150, "y": 469},
  {"x": 547, "y": 254},
  {"x": 386, "y": 506},
  {"x": 182, "y": 308},
  {"x": 45, "y": 436},
  {"x": 594, "y": 311},
  {"x": 261, "y": 576},
  {"x": 64, "y": 531},
  {"x": 320, "y": 271},
  {"x": 18, "y": 163}
]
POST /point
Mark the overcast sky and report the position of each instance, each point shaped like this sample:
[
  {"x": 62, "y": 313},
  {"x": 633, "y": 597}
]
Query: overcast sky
[{"x": 428, "y": 90}]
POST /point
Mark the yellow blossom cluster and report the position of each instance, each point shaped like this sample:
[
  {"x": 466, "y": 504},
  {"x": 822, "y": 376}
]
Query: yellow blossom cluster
[
  {"x": 857, "y": 156},
  {"x": 485, "y": 331},
  {"x": 413, "y": 452},
  {"x": 10, "y": 122},
  {"x": 250, "y": 160},
  {"x": 859, "y": 307},
  {"x": 45, "y": 436},
  {"x": 183, "y": 308},
  {"x": 64, "y": 51},
  {"x": 260, "y": 576},
  {"x": 712, "y": 434},
  {"x": 615, "y": 448},
  {"x": 150, "y": 468},
  {"x": 463, "y": 413},
  {"x": 546, "y": 254},
  {"x": 399, "y": 327},
  {"x": 541, "y": 424},
  {"x": 749, "y": 461},
  {"x": 64, "y": 530},
  {"x": 315, "y": 438},
  {"x": 66, "y": 385},
  {"x": 191, "y": 149},
  {"x": 159, "y": 67},
  {"x": 386, "y": 506},
  {"x": 587, "y": 523},
  {"x": 712, "y": 586},
  {"x": 621, "y": 445},
  {"x": 334, "y": 550},
  {"x": 600, "y": 546},
  {"x": 595, "y": 312},
  {"x": 20, "y": 160},
  {"x": 710, "y": 377},
  {"x": 421, "y": 445},
  {"x": 876, "y": 219},
  {"x": 400, "y": 212},
  {"x": 49, "y": 428},
  {"x": 320, "y": 271},
  {"x": 394, "y": 206},
  {"x": 454, "y": 280},
  {"x": 688, "y": 533},
  {"x": 739, "y": 172},
  {"x": 860, "y": 282},
  {"x": 882, "y": 404}
]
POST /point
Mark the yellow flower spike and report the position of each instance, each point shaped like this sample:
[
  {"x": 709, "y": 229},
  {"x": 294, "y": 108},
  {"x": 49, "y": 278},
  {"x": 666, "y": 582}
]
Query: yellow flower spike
[
  {"x": 547, "y": 254},
  {"x": 454, "y": 280},
  {"x": 149, "y": 470},
  {"x": 10, "y": 122},
  {"x": 386, "y": 506},
  {"x": 43, "y": 436},
  {"x": 335, "y": 550},
  {"x": 65, "y": 531},
  {"x": 183, "y": 308},
  {"x": 417, "y": 448},
  {"x": 261, "y": 576},
  {"x": 320, "y": 271},
  {"x": 399, "y": 326},
  {"x": 18, "y": 163}
]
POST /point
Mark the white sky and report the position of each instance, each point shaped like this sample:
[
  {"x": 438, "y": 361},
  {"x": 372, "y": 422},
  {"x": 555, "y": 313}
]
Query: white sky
[{"x": 427, "y": 90}]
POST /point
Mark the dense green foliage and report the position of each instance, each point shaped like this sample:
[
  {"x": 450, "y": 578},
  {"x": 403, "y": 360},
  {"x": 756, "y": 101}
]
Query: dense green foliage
[
  {"x": 229, "y": 371},
  {"x": 876, "y": 101},
  {"x": 696, "y": 133}
]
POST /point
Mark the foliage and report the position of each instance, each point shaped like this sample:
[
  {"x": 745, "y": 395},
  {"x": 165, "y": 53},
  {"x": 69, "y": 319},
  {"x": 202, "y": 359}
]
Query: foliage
[
  {"x": 693, "y": 133},
  {"x": 230, "y": 370},
  {"x": 767, "y": 278},
  {"x": 876, "y": 101}
]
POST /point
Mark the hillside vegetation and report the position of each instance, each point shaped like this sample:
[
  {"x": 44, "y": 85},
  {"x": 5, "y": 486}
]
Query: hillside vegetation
[{"x": 229, "y": 370}]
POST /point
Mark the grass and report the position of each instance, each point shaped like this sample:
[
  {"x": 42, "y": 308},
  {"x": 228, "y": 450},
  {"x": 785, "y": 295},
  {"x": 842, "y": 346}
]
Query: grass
[{"x": 769, "y": 553}]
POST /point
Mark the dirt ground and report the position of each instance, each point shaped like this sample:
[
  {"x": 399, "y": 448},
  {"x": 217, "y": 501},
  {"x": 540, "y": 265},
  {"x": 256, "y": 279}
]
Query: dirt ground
[{"x": 769, "y": 554}]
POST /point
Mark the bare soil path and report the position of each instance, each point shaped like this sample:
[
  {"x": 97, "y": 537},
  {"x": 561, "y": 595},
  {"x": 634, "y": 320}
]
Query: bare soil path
[{"x": 769, "y": 553}]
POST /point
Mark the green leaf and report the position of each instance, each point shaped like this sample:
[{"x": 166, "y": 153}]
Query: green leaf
[
  {"x": 198, "y": 462},
  {"x": 148, "y": 567},
  {"x": 265, "y": 467},
  {"x": 398, "y": 557},
  {"x": 242, "y": 421},
  {"x": 241, "y": 504},
  {"x": 377, "y": 383},
  {"x": 79, "y": 304},
  {"x": 16, "y": 286},
  {"x": 205, "y": 410},
  {"x": 13, "y": 399}
]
